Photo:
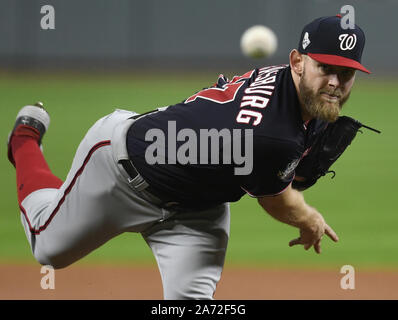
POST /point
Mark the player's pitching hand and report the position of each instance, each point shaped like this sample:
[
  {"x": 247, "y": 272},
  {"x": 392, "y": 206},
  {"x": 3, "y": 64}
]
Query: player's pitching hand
[{"x": 311, "y": 234}]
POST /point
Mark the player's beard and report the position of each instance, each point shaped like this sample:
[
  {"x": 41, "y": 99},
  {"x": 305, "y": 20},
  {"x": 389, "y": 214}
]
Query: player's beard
[{"x": 316, "y": 107}]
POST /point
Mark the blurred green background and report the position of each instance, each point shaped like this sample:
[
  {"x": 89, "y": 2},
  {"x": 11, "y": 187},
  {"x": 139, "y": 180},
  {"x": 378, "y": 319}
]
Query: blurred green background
[{"x": 359, "y": 203}]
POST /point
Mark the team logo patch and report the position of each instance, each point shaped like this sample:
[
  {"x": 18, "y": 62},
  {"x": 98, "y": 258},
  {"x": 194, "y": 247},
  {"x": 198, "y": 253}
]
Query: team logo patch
[
  {"x": 347, "y": 41},
  {"x": 286, "y": 175},
  {"x": 306, "y": 40}
]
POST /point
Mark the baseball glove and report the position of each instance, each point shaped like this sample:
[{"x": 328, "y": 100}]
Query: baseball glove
[{"x": 329, "y": 146}]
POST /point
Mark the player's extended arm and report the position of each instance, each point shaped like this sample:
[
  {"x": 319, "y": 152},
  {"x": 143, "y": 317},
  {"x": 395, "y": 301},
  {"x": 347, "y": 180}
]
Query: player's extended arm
[{"x": 290, "y": 207}]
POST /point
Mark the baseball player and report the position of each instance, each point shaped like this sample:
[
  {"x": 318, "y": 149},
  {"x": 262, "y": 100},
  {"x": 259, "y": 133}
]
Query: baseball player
[{"x": 170, "y": 174}]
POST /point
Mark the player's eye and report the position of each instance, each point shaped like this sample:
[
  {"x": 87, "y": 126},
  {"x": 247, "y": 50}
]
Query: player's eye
[
  {"x": 348, "y": 73},
  {"x": 325, "y": 68}
]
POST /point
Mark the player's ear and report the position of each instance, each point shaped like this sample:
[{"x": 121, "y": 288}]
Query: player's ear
[{"x": 296, "y": 62}]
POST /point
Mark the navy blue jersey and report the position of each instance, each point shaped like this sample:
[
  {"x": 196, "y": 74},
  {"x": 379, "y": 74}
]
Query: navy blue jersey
[{"x": 244, "y": 135}]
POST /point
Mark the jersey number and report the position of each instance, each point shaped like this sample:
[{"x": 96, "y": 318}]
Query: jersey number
[{"x": 222, "y": 95}]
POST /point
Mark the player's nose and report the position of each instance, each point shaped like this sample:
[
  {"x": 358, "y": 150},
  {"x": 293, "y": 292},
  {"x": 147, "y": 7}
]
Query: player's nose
[{"x": 333, "y": 80}]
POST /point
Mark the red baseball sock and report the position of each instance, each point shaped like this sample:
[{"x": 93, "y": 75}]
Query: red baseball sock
[{"x": 32, "y": 169}]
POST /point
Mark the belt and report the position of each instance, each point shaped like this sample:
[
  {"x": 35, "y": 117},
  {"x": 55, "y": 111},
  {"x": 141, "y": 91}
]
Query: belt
[
  {"x": 135, "y": 178},
  {"x": 138, "y": 182},
  {"x": 128, "y": 166}
]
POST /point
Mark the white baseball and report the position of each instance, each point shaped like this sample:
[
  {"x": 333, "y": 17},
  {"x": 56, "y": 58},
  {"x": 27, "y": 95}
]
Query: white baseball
[{"x": 258, "y": 42}]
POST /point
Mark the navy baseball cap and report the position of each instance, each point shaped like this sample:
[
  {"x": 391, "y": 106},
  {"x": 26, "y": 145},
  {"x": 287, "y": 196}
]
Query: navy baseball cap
[{"x": 325, "y": 41}]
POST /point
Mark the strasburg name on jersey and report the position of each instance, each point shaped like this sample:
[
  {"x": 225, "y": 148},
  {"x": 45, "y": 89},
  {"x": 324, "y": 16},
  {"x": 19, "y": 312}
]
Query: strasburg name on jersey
[{"x": 257, "y": 95}]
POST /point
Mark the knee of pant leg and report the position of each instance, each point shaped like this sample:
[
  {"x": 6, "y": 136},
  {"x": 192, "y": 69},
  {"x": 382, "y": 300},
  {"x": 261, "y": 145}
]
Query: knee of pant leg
[
  {"x": 51, "y": 261},
  {"x": 46, "y": 258}
]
